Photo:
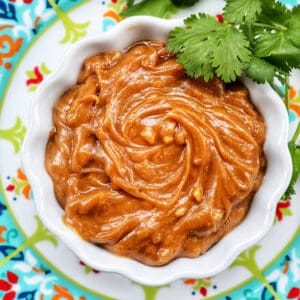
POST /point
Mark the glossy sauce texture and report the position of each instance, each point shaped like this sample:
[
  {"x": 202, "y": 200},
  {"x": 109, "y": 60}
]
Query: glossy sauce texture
[{"x": 152, "y": 164}]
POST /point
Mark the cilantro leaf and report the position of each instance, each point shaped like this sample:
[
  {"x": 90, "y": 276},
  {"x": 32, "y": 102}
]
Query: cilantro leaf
[
  {"x": 206, "y": 46},
  {"x": 278, "y": 36},
  {"x": 273, "y": 11},
  {"x": 232, "y": 47},
  {"x": 129, "y": 2},
  {"x": 294, "y": 24},
  {"x": 261, "y": 37},
  {"x": 279, "y": 50},
  {"x": 156, "y": 8},
  {"x": 260, "y": 70},
  {"x": 295, "y": 155},
  {"x": 242, "y": 11},
  {"x": 184, "y": 2}
]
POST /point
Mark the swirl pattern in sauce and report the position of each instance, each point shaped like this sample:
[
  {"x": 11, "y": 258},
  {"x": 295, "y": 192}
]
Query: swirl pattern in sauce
[{"x": 152, "y": 164}]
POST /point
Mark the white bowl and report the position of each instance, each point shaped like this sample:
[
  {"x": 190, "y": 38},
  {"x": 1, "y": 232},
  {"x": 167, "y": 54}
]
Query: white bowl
[{"x": 260, "y": 216}]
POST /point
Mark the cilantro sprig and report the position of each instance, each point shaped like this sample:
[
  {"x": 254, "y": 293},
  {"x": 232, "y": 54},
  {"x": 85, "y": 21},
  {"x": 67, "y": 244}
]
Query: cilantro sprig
[
  {"x": 259, "y": 37},
  {"x": 207, "y": 47},
  {"x": 156, "y": 8},
  {"x": 295, "y": 155}
]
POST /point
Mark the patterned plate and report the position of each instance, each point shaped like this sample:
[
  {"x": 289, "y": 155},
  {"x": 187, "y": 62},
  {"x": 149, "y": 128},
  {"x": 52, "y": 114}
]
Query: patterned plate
[{"x": 36, "y": 265}]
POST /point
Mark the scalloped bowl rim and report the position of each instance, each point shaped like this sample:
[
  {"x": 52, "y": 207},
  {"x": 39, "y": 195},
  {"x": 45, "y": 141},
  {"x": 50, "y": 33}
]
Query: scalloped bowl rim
[{"x": 262, "y": 211}]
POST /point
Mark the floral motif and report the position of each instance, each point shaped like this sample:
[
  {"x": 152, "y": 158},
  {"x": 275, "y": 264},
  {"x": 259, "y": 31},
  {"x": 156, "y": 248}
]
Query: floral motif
[
  {"x": 88, "y": 269},
  {"x": 112, "y": 16},
  {"x": 247, "y": 260},
  {"x": 280, "y": 276},
  {"x": 150, "y": 292},
  {"x": 14, "y": 134},
  {"x": 19, "y": 184},
  {"x": 294, "y": 104},
  {"x": 283, "y": 209},
  {"x": 24, "y": 1},
  {"x": 63, "y": 293},
  {"x": 9, "y": 286},
  {"x": 2, "y": 208},
  {"x": 41, "y": 234},
  {"x": 200, "y": 285},
  {"x": 73, "y": 31},
  {"x": 117, "y": 5},
  {"x": 295, "y": 266},
  {"x": 294, "y": 293},
  {"x": 30, "y": 19},
  {"x": 7, "y": 11},
  {"x": 9, "y": 45},
  {"x": 2, "y": 230},
  {"x": 39, "y": 276},
  {"x": 36, "y": 76}
]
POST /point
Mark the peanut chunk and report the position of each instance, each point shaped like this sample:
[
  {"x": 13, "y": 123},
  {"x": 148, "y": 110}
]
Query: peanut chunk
[
  {"x": 167, "y": 131},
  {"x": 148, "y": 135},
  {"x": 156, "y": 237},
  {"x": 197, "y": 194},
  {"x": 218, "y": 215},
  {"x": 163, "y": 253},
  {"x": 180, "y": 137},
  {"x": 180, "y": 212},
  {"x": 197, "y": 161},
  {"x": 168, "y": 139}
]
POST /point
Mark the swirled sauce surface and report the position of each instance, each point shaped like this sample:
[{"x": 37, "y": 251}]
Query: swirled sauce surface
[{"x": 149, "y": 163}]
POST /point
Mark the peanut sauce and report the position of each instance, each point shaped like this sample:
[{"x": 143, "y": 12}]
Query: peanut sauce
[{"x": 149, "y": 163}]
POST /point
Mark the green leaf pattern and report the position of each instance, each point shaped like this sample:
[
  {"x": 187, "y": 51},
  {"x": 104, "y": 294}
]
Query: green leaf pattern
[
  {"x": 247, "y": 260},
  {"x": 41, "y": 234},
  {"x": 73, "y": 31},
  {"x": 15, "y": 134}
]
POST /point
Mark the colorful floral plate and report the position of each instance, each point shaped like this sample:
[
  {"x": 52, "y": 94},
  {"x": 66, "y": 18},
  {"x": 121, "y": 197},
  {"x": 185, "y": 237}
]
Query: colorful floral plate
[{"x": 36, "y": 265}]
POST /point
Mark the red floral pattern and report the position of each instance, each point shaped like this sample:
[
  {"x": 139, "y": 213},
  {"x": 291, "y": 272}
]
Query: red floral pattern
[
  {"x": 8, "y": 285},
  {"x": 294, "y": 293},
  {"x": 282, "y": 209}
]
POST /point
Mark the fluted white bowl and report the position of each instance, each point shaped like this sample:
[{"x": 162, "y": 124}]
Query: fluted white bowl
[{"x": 259, "y": 218}]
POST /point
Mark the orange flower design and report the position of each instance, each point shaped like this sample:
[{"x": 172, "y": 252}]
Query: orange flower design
[
  {"x": 2, "y": 229},
  {"x": 63, "y": 293}
]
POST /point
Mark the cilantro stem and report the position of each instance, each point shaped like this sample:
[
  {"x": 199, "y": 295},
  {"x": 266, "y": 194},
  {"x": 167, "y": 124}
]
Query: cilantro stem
[
  {"x": 251, "y": 35},
  {"x": 296, "y": 134},
  {"x": 287, "y": 92},
  {"x": 274, "y": 26},
  {"x": 277, "y": 90}
]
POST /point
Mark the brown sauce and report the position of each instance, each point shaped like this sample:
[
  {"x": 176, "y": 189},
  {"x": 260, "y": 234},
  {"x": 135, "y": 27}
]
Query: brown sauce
[{"x": 149, "y": 163}]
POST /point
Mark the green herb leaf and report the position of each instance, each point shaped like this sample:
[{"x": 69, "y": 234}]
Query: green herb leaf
[
  {"x": 156, "y": 8},
  {"x": 130, "y": 3},
  {"x": 260, "y": 70},
  {"x": 184, "y": 2},
  {"x": 278, "y": 35},
  {"x": 294, "y": 25},
  {"x": 273, "y": 12},
  {"x": 279, "y": 51},
  {"x": 242, "y": 11},
  {"x": 206, "y": 46},
  {"x": 295, "y": 155}
]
